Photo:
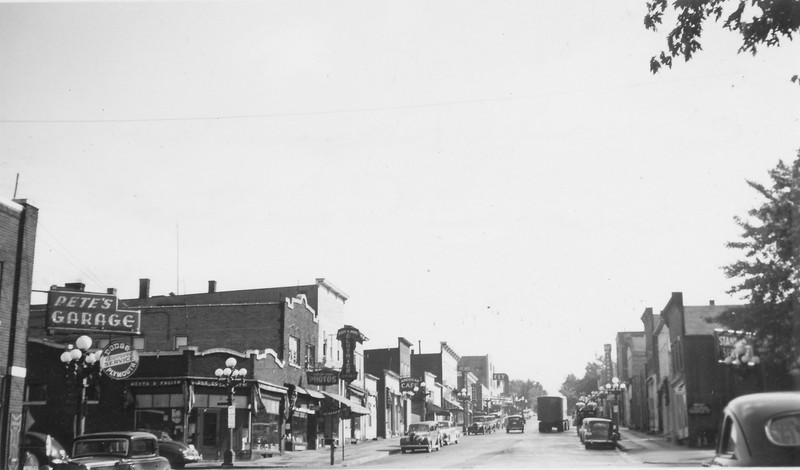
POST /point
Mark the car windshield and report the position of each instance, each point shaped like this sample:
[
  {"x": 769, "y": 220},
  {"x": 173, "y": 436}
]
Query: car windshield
[
  {"x": 107, "y": 446},
  {"x": 418, "y": 428},
  {"x": 599, "y": 427},
  {"x": 479, "y": 419}
]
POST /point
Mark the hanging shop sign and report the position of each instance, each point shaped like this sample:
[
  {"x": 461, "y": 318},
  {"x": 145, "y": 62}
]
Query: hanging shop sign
[
  {"x": 407, "y": 384},
  {"x": 322, "y": 377},
  {"x": 699, "y": 409},
  {"x": 88, "y": 311},
  {"x": 119, "y": 360},
  {"x": 349, "y": 337}
]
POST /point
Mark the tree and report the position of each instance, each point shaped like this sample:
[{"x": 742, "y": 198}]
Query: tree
[
  {"x": 527, "y": 389},
  {"x": 574, "y": 388},
  {"x": 758, "y": 22},
  {"x": 769, "y": 274}
]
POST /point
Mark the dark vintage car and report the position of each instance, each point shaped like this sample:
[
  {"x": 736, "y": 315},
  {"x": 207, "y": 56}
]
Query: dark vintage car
[
  {"x": 123, "y": 450},
  {"x": 41, "y": 450},
  {"x": 597, "y": 432},
  {"x": 515, "y": 423},
  {"x": 480, "y": 425},
  {"x": 760, "y": 430},
  {"x": 424, "y": 435},
  {"x": 178, "y": 453}
]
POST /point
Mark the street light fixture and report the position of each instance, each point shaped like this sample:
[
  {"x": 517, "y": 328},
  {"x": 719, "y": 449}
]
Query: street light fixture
[
  {"x": 229, "y": 377},
  {"x": 463, "y": 396},
  {"x": 616, "y": 389},
  {"x": 81, "y": 366}
]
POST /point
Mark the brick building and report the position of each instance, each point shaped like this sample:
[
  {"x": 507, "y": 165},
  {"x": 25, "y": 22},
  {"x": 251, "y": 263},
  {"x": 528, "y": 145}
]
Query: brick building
[
  {"x": 18, "y": 223},
  {"x": 272, "y": 332}
]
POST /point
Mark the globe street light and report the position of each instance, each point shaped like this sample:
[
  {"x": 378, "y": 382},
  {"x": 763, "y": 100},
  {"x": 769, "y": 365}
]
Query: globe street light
[
  {"x": 463, "y": 396},
  {"x": 229, "y": 377},
  {"x": 81, "y": 366},
  {"x": 616, "y": 389}
]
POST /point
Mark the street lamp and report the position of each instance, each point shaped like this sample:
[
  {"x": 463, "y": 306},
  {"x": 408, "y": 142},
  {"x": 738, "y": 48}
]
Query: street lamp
[
  {"x": 422, "y": 392},
  {"x": 229, "y": 377},
  {"x": 81, "y": 365},
  {"x": 463, "y": 396},
  {"x": 616, "y": 389}
]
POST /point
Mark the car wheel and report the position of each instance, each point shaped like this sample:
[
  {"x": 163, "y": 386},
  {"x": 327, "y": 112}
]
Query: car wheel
[
  {"x": 587, "y": 446},
  {"x": 177, "y": 464},
  {"x": 403, "y": 451}
]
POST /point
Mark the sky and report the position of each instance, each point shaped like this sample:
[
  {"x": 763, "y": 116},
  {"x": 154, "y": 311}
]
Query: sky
[{"x": 507, "y": 177}]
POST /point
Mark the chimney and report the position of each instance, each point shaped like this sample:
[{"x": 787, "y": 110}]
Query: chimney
[
  {"x": 76, "y": 286},
  {"x": 144, "y": 288},
  {"x": 111, "y": 291},
  {"x": 711, "y": 302},
  {"x": 212, "y": 287}
]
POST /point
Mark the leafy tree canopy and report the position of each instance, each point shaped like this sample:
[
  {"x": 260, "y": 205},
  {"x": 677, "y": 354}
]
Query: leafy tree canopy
[
  {"x": 769, "y": 274},
  {"x": 574, "y": 388},
  {"x": 527, "y": 389},
  {"x": 758, "y": 22}
]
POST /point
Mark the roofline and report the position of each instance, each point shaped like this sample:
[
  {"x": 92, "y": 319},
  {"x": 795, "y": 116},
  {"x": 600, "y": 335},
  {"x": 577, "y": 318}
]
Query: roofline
[{"x": 335, "y": 290}]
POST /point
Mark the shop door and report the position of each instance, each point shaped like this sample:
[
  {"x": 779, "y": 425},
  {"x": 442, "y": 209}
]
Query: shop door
[{"x": 210, "y": 446}]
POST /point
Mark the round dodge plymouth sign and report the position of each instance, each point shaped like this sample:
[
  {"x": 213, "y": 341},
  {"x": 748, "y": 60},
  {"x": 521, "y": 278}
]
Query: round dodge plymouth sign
[{"x": 119, "y": 360}]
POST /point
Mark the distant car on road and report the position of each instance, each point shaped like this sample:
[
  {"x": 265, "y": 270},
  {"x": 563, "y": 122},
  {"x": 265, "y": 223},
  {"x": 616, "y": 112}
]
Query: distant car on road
[
  {"x": 424, "y": 435},
  {"x": 480, "y": 424},
  {"x": 39, "y": 450},
  {"x": 597, "y": 432},
  {"x": 449, "y": 432},
  {"x": 760, "y": 430},
  {"x": 123, "y": 450},
  {"x": 515, "y": 423}
]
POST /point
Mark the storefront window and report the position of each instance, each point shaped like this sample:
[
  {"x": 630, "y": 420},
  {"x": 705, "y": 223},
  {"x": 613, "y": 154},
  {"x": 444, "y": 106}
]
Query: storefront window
[
  {"x": 299, "y": 427},
  {"x": 266, "y": 434}
]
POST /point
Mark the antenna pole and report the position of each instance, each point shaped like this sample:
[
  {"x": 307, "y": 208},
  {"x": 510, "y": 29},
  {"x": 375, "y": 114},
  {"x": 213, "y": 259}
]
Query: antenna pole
[{"x": 16, "y": 185}]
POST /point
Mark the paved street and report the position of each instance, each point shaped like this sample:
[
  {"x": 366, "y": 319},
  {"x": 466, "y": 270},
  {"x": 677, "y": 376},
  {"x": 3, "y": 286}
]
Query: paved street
[{"x": 498, "y": 450}]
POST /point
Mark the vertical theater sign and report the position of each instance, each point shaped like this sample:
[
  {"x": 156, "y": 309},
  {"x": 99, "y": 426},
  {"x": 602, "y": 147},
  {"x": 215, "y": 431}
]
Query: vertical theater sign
[{"x": 349, "y": 337}]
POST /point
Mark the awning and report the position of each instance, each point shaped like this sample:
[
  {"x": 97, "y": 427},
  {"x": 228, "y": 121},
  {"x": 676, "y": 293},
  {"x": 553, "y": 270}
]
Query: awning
[
  {"x": 355, "y": 408},
  {"x": 452, "y": 406},
  {"x": 309, "y": 392},
  {"x": 436, "y": 409}
]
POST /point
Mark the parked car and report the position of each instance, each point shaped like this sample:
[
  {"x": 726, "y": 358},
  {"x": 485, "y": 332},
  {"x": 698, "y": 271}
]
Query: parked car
[
  {"x": 178, "y": 453},
  {"x": 450, "y": 432},
  {"x": 760, "y": 430},
  {"x": 480, "y": 424},
  {"x": 122, "y": 450},
  {"x": 515, "y": 423},
  {"x": 40, "y": 450},
  {"x": 424, "y": 435},
  {"x": 598, "y": 432}
]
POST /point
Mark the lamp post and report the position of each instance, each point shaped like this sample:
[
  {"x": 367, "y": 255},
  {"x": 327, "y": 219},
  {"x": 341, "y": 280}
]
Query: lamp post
[
  {"x": 463, "y": 397},
  {"x": 229, "y": 377},
  {"x": 81, "y": 365},
  {"x": 616, "y": 389}
]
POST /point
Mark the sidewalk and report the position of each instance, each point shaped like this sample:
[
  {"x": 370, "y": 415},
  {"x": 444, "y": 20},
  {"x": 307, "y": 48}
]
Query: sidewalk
[
  {"x": 658, "y": 450},
  {"x": 354, "y": 454}
]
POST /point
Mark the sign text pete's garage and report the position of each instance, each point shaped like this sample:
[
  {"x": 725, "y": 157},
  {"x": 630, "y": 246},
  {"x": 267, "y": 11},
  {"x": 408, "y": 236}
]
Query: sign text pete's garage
[{"x": 87, "y": 311}]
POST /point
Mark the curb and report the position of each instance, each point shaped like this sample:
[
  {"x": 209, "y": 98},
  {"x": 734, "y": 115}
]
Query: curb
[{"x": 369, "y": 458}]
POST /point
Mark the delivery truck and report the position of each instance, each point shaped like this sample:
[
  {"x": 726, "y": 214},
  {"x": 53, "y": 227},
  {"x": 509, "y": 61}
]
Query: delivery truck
[{"x": 552, "y": 413}]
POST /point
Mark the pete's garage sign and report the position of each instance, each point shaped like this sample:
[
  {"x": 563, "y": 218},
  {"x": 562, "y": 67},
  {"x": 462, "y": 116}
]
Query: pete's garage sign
[{"x": 87, "y": 311}]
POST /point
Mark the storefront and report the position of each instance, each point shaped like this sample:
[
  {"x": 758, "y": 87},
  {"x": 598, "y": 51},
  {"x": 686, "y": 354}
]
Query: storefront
[{"x": 195, "y": 410}]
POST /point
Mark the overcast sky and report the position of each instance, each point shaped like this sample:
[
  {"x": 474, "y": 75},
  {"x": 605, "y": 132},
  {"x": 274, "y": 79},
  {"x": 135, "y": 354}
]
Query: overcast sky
[{"x": 505, "y": 176}]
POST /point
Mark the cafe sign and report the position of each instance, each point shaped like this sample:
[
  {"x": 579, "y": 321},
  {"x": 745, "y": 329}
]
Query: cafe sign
[
  {"x": 407, "y": 384},
  {"x": 88, "y": 311}
]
